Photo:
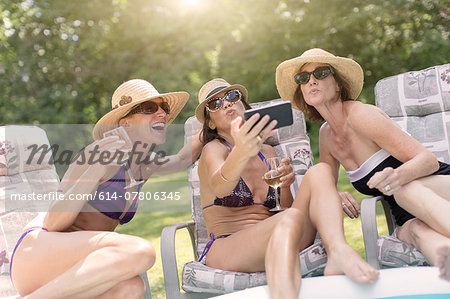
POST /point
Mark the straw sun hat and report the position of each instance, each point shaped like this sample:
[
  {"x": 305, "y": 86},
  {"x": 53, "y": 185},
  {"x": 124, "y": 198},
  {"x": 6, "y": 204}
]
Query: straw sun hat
[
  {"x": 131, "y": 93},
  {"x": 347, "y": 68},
  {"x": 211, "y": 89}
]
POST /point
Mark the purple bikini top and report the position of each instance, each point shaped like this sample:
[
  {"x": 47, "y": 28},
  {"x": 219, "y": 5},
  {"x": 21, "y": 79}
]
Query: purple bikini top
[
  {"x": 241, "y": 195},
  {"x": 110, "y": 198}
]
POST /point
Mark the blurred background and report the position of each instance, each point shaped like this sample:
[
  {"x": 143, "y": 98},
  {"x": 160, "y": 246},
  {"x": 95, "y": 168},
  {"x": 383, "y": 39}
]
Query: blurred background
[{"x": 60, "y": 61}]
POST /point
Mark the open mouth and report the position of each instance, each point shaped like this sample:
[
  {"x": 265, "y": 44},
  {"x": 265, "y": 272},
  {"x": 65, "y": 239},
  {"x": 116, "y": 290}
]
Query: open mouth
[{"x": 159, "y": 126}]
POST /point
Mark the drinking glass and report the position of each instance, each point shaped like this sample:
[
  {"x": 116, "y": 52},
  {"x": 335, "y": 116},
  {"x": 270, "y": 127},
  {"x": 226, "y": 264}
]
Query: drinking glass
[
  {"x": 272, "y": 178},
  {"x": 126, "y": 149}
]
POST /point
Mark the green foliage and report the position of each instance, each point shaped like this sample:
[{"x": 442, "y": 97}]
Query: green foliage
[{"x": 60, "y": 61}]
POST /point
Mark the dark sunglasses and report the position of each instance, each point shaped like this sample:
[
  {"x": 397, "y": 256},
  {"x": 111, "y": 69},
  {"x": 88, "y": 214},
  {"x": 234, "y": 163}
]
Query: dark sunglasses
[
  {"x": 233, "y": 96},
  {"x": 320, "y": 73},
  {"x": 150, "y": 108}
]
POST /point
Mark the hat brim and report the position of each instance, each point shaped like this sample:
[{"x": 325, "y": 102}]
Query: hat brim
[
  {"x": 110, "y": 120},
  {"x": 347, "y": 68},
  {"x": 200, "y": 110}
]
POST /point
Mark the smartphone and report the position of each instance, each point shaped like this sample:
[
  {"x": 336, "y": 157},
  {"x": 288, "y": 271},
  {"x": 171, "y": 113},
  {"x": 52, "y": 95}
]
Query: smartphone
[{"x": 281, "y": 112}]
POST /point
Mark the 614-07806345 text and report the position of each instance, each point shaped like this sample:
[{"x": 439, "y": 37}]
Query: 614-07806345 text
[{"x": 157, "y": 196}]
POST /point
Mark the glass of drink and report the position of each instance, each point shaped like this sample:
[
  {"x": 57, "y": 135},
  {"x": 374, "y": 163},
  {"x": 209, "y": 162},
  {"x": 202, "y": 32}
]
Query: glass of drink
[
  {"x": 126, "y": 149},
  {"x": 272, "y": 178}
]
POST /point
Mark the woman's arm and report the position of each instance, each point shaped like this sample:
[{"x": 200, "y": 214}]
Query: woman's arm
[
  {"x": 81, "y": 178},
  {"x": 224, "y": 171},
  {"x": 324, "y": 151},
  {"x": 349, "y": 204},
  {"x": 287, "y": 179},
  {"x": 373, "y": 123},
  {"x": 188, "y": 154}
]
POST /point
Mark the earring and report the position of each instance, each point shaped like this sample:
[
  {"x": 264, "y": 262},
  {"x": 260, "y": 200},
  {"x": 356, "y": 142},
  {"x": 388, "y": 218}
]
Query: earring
[{"x": 211, "y": 125}]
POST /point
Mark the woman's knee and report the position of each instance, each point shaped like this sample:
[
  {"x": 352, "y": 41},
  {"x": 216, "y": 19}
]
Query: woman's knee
[
  {"x": 319, "y": 170},
  {"x": 319, "y": 176},
  {"x": 130, "y": 288},
  {"x": 412, "y": 231},
  {"x": 290, "y": 223},
  {"x": 408, "y": 192},
  {"x": 135, "y": 252}
]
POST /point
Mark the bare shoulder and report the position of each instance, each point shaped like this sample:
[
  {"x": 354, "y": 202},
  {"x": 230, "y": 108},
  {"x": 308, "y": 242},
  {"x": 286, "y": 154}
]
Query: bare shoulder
[
  {"x": 213, "y": 150},
  {"x": 372, "y": 115},
  {"x": 268, "y": 151},
  {"x": 212, "y": 146},
  {"x": 325, "y": 131}
]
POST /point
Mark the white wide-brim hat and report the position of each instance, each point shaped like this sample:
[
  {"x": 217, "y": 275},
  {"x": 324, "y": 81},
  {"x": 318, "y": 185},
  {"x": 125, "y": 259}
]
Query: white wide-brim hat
[
  {"x": 210, "y": 89},
  {"x": 348, "y": 69},
  {"x": 131, "y": 93}
]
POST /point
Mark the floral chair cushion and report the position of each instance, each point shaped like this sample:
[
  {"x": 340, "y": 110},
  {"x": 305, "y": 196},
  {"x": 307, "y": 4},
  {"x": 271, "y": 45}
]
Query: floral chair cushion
[
  {"x": 20, "y": 176},
  {"x": 419, "y": 102},
  {"x": 197, "y": 277}
]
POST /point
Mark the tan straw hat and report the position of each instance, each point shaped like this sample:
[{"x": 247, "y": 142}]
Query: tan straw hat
[
  {"x": 347, "y": 68},
  {"x": 131, "y": 93},
  {"x": 212, "y": 88}
]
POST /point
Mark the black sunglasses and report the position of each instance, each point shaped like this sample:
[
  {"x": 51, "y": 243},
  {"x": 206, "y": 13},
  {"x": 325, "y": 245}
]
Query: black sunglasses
[
  {"x": 320, "y": 73},
  {"x": 150, "y": 107},
  {"x": 232, "y": 96}
]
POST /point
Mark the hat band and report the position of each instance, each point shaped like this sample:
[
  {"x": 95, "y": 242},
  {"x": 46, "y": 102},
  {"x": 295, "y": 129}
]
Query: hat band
[{"x": 215, "y": 90}]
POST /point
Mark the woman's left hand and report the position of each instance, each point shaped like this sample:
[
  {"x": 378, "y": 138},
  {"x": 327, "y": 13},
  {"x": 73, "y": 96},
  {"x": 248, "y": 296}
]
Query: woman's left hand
[
  {"x": 289, "y": 176},
  {"x": 386, "y": 181},
  {"x": 349, "y": 205}
]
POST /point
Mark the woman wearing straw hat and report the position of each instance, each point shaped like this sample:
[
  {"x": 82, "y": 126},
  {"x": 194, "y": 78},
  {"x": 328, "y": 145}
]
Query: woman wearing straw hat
[
  {"x": 73, "y": 251},
  {"x": 379, "y": 157},
  {"x": 245, "y": 235}
]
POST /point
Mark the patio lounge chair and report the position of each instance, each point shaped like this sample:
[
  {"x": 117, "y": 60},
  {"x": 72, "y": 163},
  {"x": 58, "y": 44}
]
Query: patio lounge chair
[
  {"x": 201, "y": 281},
  {"x": 20, "y": 177},
  {"x": 419, "y": 102}
]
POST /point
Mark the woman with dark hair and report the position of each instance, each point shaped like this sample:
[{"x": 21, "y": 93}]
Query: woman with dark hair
[
  {"x": 245, "y": 235},
  {"x": 379, "y": 157}
]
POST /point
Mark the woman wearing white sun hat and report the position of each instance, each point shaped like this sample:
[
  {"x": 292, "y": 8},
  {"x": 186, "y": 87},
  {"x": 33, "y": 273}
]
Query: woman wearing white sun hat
[
  {"x": 379, "y": 157},
  {"x": 73, "y": 251}
]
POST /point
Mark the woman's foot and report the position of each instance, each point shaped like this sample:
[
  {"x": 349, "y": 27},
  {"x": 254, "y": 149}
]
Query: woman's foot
[
  {"x": 343, "y": 259},
  {"x": 443, "y": 261}
]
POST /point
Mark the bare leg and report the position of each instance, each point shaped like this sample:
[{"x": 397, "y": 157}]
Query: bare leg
[
  {"x": 319, "y": 202},
  {"x": 282, "y": 250},
  {"x": 326, "y": 214},
  {"x": 273, "y": 244},
  {"x": 80, "y": 264},
  {"x": 444, "y": 262},
  {"x": 131, "y": 288},
  {"x": 429, "y": 200},
  {"x": 418, "y": 234}
]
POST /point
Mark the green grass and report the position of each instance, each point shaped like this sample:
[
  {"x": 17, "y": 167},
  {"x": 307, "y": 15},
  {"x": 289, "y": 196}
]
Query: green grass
[{"x": 154, "y": 215}]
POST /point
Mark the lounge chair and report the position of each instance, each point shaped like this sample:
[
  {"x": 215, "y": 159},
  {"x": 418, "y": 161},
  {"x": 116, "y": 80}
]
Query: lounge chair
[
  {"x": 19, "y": 178},
  {"x": 419, "y": 102}
]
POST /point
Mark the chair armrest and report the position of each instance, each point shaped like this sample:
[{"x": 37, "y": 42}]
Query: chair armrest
[
  {"x": 144, "y": 277},
  {"x": 369, "y": 228},
  {"x": 169, "y": 259},
  {"x": 389, "y": 217}
]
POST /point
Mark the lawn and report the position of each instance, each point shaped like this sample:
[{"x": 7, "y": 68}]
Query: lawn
[{"x": 154, "y": 215}]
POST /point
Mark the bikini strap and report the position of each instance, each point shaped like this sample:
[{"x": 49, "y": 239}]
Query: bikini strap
[{"x": 260, "y": 155}]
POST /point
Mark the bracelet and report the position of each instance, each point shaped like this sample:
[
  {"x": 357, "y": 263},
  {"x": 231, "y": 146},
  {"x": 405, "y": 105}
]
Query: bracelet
[{"x": 223, "y": 178}]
